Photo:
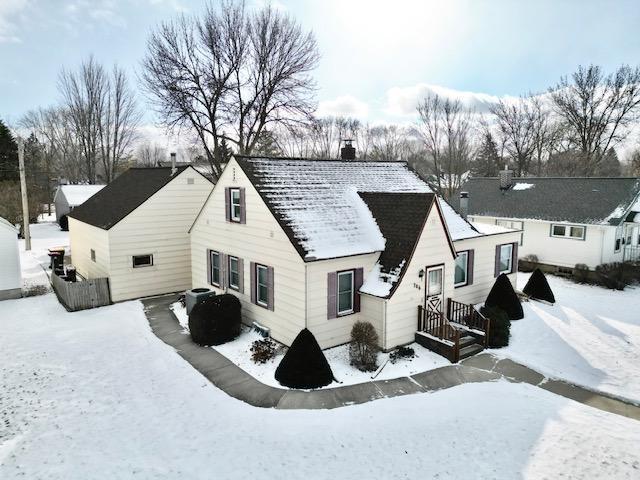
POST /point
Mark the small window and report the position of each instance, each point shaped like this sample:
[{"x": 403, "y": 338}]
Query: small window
[
  {"x": 93, "y": 255},
  {"x": 189, "y": 181},
  {"x": 434, "y": 283},
  {"x": 506, "y": 258},
  {"x": 234, "y": 275},
  {"x": 576, "y": 232},
  {"x": 462, "y": 266},
  {"x": 515, "y": 224},
  {"x": 262, "y": 285},
  {"x": 235, "y": 204},
  {"x": 345, "y": 292},
  {"x": 618, "y": 244},
  {"x": 559, "y": 230},
  {"x": 142, "y": 261},
  {"x": 215, "y": 268}
]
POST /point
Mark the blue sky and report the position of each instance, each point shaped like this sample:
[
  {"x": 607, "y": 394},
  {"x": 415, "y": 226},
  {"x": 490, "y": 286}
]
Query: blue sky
[{"x": 378, "y": 57}]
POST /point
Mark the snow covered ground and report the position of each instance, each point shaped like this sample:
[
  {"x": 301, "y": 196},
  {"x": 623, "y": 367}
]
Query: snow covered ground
[
  {"x": 590, "y": 337},
  {"x": 94, "y": 394},
  {"x": 238, "y": 351}
]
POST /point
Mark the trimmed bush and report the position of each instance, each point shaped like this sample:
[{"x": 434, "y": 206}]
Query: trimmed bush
[
  {"x": 363, "y": 349},
  {"x": 304, "y": 365},
  {"x": 581, "y": 273},
  {"x": 617, "y": 275},
  {"x": 527, "y": 263},
  {"x": 64, "y": 223},
  {"x": 503, "y": 296},
  {"x": 537, "y": 287},
  {"x": 263, "y": 350},
  {"x": 215, "y": 320},
  {"x": 499, "y": 326}
]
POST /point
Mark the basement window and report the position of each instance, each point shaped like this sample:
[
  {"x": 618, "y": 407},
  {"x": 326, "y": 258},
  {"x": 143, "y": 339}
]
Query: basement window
[{"x": 142, "y": 261}]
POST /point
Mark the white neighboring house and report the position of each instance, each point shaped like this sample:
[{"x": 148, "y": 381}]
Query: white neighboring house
[
  {"x": 564, "y": 221},
  {"x": 320, "y": 244},
  {"x": 10, "y": 273},
  {"x": 134, "y": 231},
  {"x": 68, "y": 197}
]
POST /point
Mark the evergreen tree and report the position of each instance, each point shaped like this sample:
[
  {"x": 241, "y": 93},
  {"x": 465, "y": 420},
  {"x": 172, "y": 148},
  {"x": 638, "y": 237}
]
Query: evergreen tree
[
  {"x": 487, "y": 160},
  {"x": 610, "y": 165},
  {"x": 223, "y": 153},
  {"x": 8, "y": 154}
]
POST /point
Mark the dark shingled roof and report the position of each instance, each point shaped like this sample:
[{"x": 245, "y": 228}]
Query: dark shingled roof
[
  {"x": 577, "y": 200},
  {"x": 123, "y": 195}
]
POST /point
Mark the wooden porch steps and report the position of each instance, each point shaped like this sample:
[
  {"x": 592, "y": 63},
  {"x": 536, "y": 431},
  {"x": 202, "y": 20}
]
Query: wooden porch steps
[{"x": 470, "y": 350}]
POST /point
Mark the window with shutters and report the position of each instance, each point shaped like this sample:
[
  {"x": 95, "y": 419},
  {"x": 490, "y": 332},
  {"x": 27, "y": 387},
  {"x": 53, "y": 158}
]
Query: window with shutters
[
  {"x": 215, "y": 268},
  {"x": 461, "y": 269},
  {"x": 506, "y": 258},
  {"x": 345, "y": 292},
  {"x": 262, "y": 285},
  {"x": 234, "y": 273},
  {"x": 235, "y": 205}
]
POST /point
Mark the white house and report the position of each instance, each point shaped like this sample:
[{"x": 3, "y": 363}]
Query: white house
[
  {"x": 134, "y": 231},
  {"x": 10, "y": 273},
  {"x": 68, "y": 197},
  {"x": 564, "y": 221},
  {"x": 323, "y": 243}
]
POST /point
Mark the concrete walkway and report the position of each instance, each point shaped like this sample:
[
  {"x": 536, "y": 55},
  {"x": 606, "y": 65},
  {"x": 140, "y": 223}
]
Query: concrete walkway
[{"x": 237, "y": 383}]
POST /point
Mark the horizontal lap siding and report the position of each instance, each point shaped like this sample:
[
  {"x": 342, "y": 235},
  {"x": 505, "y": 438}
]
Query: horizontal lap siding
[
  {"x": 483, "y": 266},
  {"x": 158, "y": 227},
  {"x": 83, "y": 238},
  {"x": 336, "y": 331},
  {"x": 402, "y": 308},
  {"x": 259, "y": 240},
  {"x": 10, "y": 273}
]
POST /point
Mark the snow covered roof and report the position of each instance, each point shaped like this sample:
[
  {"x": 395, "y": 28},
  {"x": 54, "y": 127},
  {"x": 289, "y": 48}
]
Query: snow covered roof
[
  {"x": 599, "y": 201},
  {"x": 78, "y": 194},
  {"x": 6, "y": 224}
]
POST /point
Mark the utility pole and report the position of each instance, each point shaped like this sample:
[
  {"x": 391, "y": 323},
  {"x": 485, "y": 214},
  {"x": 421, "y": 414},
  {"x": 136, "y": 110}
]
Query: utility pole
[{"x": 25, "y": 199}]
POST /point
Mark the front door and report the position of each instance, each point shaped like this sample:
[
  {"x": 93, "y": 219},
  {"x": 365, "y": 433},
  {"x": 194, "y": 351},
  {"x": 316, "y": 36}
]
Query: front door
[{"x": 434, "y": 291}]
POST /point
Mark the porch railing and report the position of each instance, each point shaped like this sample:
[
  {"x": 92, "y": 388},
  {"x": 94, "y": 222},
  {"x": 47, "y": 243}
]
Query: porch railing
[
  {"x": 468, "y": 316},
  {"x": 631, "y": 253},
  {"x": 437, "y": 325}
]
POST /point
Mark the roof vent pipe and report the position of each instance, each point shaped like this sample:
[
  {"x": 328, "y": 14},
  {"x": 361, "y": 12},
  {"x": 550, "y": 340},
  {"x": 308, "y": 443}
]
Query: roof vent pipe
[
  {"x": 173, "y": 163},
  {"x": 506, "y": 178},
  {"x": 348, "y": 152},
  {"x": 464, "y": 204}
]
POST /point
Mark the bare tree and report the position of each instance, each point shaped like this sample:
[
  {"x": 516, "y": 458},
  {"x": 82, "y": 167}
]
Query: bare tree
[
  {"x": 597, "y": 110},
  {"x": 150, "y": 155},
  {"x": 230, "y": 74}
]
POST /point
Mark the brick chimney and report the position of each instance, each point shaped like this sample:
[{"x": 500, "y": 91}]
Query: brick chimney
[
  {"x": 173, "y": 163},
  {"x": 348, "y": 152},
  {"x": 506, "y": 178},
  {"x": 464, "y": 204}
]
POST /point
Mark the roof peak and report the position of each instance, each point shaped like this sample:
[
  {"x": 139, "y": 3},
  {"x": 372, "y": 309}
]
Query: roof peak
[{"x": 515, "y": 179}]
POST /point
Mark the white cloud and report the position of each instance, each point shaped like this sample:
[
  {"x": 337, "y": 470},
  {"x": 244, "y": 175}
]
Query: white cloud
[
  {"x": 9, "y": 9},
  {"x": 343, "y": 106}
]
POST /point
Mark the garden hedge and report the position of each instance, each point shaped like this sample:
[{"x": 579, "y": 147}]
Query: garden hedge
[
  {"x": 215, "y": 320},
  {"x": 503, "y": 296}
]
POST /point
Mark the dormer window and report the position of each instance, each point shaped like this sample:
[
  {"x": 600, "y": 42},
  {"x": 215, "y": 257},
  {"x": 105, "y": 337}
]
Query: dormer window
[{"x": 235, "y": 204}]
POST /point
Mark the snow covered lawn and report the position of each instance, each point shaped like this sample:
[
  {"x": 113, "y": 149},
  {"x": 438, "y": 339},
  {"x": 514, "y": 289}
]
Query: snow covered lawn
[
  {"x": 94, "y": 394},
  {"x": 44, "y": 235},
  {"x": 239, "y": 352},
  {"x": 590, "y": 337}
]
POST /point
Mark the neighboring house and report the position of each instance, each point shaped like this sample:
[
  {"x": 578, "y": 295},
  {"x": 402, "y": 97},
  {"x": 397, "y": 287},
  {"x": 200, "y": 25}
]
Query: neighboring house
[
  {"x": 68, "y": 197},
  {"x": 10, "y": 273},
  {"x": 564, "y": 221},
  {"x": 323, "y": 243},
  {"x": 134, "y": 231}
]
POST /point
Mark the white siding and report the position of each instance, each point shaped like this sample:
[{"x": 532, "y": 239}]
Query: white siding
[
  {"x": 483, "y": 266},
  {"x": 402, "y": 308},
  {"x": 61, "y": 204},
  {"x": 158, "y": 227},
  {"x": 83, "y": 238},
  {"x": 260, "y": 240},
  {"x": 10, "y": 273}
]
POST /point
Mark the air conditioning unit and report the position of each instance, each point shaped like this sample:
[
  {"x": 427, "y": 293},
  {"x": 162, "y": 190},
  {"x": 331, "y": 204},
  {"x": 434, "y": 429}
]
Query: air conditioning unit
[{"x": 196, "y": 295}]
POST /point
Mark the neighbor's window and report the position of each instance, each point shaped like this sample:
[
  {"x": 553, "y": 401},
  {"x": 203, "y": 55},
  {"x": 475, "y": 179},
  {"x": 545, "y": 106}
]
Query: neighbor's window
[
  {"x": 235, "y": 204},
  {"x": 568, "y": 231},
  {"x": 142, "y": 261},
  {"x": 262, "y": 285},
  {"x": 462, "y": 266},
  {"x": 93, "y": 255},
  {"x": 345, "y": 292},
  {"x": 234, "y": 275},
  {"x": 215, "y": 268},
  {"x": 515, "y": 224},
  {"x": 506, "y": 258}
]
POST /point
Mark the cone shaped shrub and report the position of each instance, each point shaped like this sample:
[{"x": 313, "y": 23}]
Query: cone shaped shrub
[
  {"x": 304, "y": 365},
  {"x": 537, "y": 287},
  {"x": 499, "y": 326},
  {"x": 502, "y": 295},
  {"x": 215, "y": 320}
]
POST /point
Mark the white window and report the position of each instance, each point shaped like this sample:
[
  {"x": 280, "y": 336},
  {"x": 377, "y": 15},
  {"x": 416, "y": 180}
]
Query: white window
[
  {"x": 434, "y": 282},
  {"x": 93, "y": 255},
  {"x": 345, "y": 292},
  {"x": 462, "y": 266},
  {"x": 235, "y": 204},
  {"x": 262, "y": 285},
  {"x": 234, "y": 275},
  {"x": 506, "y": 258},
  {"x": 215, "y": 268},
  {"x": 576, "y": 232},
  {"x": 142, "y": 261}
]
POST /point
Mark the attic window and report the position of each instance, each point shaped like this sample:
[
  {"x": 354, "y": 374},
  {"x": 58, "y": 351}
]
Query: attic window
[
  {"x": 235, "y": 204},
  {"x": 189, "y": 181}
]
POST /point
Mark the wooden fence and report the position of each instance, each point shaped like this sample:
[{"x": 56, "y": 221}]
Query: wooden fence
[{"x": 82, "y": 295}]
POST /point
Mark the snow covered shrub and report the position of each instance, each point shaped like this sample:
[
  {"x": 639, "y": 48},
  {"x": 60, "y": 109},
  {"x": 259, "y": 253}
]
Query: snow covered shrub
[
  {"x": 363, "y": 349},
  {"x": 215, "y": 320},
  {"x": 537, "y": 287},
  {"x": 581, "y": 273},
  {"x": 402, "y": 353},
  {"x": 64, "y": 223},
  {"x": 503, "y": 295},
  {"x": 527, "y": 263},
  {"x": 263, "y": 350},
  {"x": 304, "y": 365},
  {"x": 617, "y": 275},
  {"x": 499, "y": 326}
]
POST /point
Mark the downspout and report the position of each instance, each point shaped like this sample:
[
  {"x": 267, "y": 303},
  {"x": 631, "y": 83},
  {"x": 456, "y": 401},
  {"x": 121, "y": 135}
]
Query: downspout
[
  {"x": 384, "y": 324},
  {"x": 306, "y": 297}
]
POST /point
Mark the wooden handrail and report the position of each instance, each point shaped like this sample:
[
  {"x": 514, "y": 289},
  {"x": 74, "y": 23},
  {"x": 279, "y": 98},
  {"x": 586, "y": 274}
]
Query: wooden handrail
[{"x": 468, "y": 316}]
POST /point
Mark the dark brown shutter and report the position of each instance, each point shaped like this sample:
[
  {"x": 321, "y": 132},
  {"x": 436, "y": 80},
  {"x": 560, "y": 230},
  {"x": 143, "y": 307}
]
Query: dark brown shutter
[
  {"x": 271, "y": 288},
  {"x": 514, "y": 258},
  {"x": 332, "y": 295},
  {"x": 252, "y": 278},
  {"x": 227, "y": 204},
  {"x": 357, "y": 283},
  {"x": 496, "y": 270},
  {"x": 470, "y": 255},
  {"x": 240, "y": 275},
  {"x": 209, "y": 266},
  {"x": 243, "y": 210},
  {"x": 222, "y": 258}
]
